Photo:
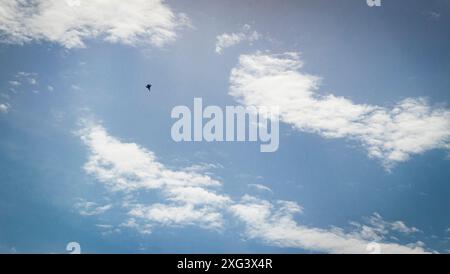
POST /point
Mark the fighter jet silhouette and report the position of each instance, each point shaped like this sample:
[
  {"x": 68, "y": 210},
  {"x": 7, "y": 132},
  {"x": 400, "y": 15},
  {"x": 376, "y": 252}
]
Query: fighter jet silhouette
[{"x": 149, "y": 87}]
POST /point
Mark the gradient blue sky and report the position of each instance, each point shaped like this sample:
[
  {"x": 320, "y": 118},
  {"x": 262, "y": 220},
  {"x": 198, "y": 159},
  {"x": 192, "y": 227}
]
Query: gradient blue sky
[{"x": 375, "y": 56}]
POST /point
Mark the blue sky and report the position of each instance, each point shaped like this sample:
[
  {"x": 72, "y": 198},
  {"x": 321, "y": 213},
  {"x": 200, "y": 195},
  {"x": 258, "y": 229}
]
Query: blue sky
[{"x": 87, "y": 155}]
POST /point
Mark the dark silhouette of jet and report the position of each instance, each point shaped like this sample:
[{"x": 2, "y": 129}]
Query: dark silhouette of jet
[{"x": 149, "y": 87}]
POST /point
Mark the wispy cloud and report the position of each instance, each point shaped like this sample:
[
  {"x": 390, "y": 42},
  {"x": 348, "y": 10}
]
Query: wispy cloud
[
  {"x": 433, "y": 15},
  {"x": 86, "y": 208},
  {"x": 75, "y": 87},
  {"x": 70, "y": 23},
  {"x": 20, "y": 81},
  {"x": 260, "y": 187},
  {"x": 4, "y": 108},
  {"x": 227, "y": 40},
  {"x": 391, "y": 135},
  {"x": 24, "y": 78},
  {"x": 192, "y": 198},
  {"x": 14, "y": 83},
  {"x": 275, "y": 225},
  {"x": 376, "y": 228}
]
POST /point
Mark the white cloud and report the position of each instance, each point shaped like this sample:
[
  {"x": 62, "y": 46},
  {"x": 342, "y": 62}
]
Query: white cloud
[
  {"x": 203, "y": 167},
  {"x": 275, "y": 225},
  {"x": 433, "y": 15},
  {"x": 377, "y": 228},
  {"x": 21, "y": 80},
  {"x": 227, "y": 40},
  {"x": 180, "y": 215},
  {"x": 391, "y": 135},
  {"x": 260, "y": 187},
  {"x": 75, "y": 87},
  {"x": 104, "y": 226},
  {"x": 86, "y": 208},
  {"x": 4, "y": 108},
  {"x": 144, "y": 228},
  {"x": 401, "y": 227},
  {"x": 189, "y": 197},
  {"x": 195, "y": 195},
  {"x": 128, "y": 168},
  {"x": 128, "y": 22},
  {"x": 22, "y": 77},
  {"x": 33, "y": 81}
]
